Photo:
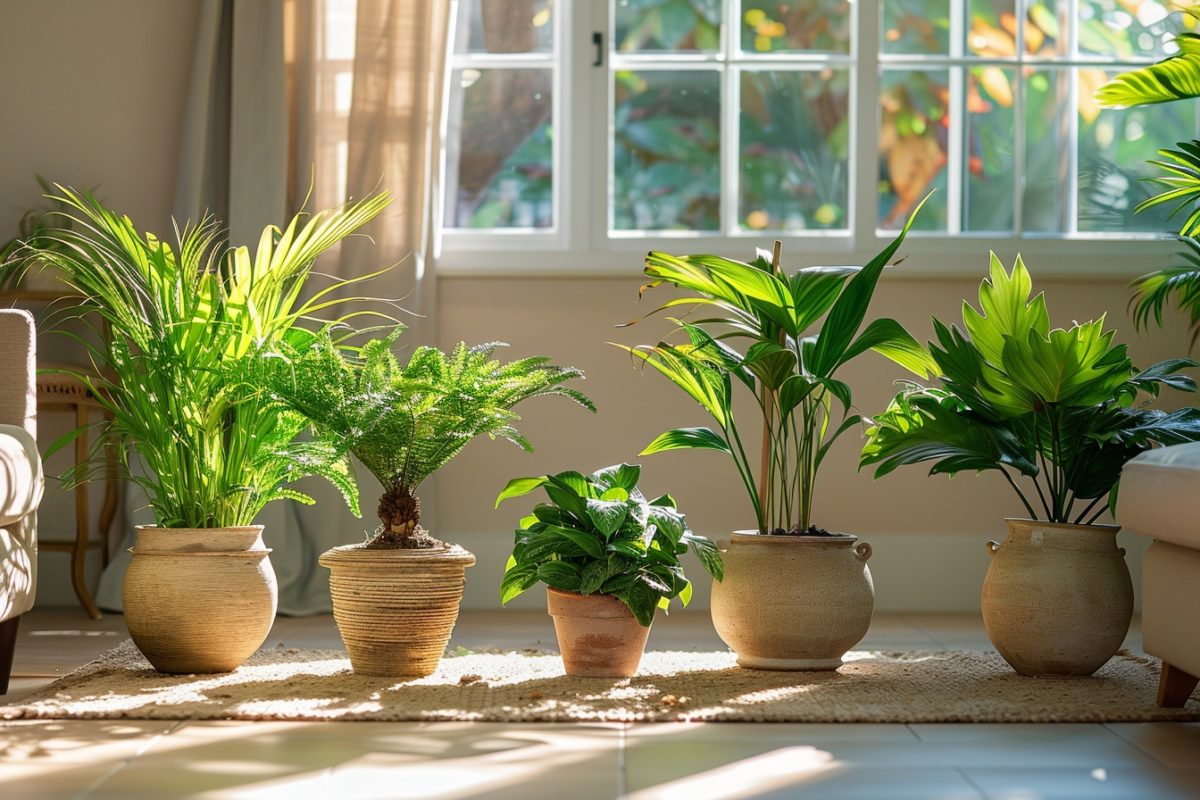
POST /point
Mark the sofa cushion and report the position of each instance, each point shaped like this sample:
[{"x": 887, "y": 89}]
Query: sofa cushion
[
  {"x": 1160, "y": 495},
  {"x": 21, "y": 480}
]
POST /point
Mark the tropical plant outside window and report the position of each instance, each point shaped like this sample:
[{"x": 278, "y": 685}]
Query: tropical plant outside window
[{"x": 797, "y": 118}]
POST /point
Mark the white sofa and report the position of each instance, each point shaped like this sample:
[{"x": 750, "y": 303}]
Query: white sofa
[
  {"x": 20, "y": 479},
  {"x": 1160, "y": 498}
]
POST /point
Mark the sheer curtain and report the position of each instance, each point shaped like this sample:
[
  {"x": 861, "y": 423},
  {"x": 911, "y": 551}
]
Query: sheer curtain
[{"x": 302, "y": 104}]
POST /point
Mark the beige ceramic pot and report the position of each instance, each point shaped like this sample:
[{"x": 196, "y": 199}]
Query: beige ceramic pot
[
  {"x": 598, "y": 635},
  {"x": 1057, "y": 598},
  {"x": 199, "y": 600},
  {"x": 793, "y": 602},
  {"x": 396, "y": 608}
]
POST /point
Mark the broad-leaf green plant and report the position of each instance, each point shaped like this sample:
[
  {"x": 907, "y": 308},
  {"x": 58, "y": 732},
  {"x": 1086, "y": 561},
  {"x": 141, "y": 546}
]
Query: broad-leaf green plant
[
  {"x": 600, "y": 535},
  {"x": 1174, "y": 78},
  {"x": 1058, "y": 411},
  {"x": 177, "y": 322},
  {"x": 405, "y": 422},
  {"x": 783, "y": 338}
]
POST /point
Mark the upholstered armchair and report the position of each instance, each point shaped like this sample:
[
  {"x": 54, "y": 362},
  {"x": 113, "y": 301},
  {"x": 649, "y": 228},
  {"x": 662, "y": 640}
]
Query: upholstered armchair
[{"x": 20, "y": 479}]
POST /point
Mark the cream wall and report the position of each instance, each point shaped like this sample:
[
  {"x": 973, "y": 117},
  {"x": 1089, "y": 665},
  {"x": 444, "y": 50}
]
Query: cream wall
[{"x": 106, "y": 110}]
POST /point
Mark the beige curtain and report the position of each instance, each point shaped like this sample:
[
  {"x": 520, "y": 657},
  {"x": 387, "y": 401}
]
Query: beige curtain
[{"x": 285, "y": 114}]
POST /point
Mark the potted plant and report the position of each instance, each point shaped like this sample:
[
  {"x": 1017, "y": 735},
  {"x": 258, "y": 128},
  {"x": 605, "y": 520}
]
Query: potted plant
[
  {"x": 200, "y": 594},
  {"x": 795, "y": 596},
  {"x": 20, "y": 268},
  {"x": 1055, "y": 411},
  {"x": 609, "y": 558},
  {"x": 396, "y": 596}
]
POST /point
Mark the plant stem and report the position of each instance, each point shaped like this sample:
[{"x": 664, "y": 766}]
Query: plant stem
[
  {"x": 1090, "y": 506},
  {"x": 1020, "y": 494}
]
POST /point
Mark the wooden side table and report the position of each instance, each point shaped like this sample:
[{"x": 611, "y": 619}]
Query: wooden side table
[{"x": 62, "y": 392}]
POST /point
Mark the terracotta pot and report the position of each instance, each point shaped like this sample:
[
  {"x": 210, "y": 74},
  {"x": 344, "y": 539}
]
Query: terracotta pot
[
  {"x": 1057, "y": 598},
  {"x": 598, "y": 635},
  {"x": 199, "y": 599},
  {"x": 396, "y": 608},
  {"x": 793, "y": 602}
]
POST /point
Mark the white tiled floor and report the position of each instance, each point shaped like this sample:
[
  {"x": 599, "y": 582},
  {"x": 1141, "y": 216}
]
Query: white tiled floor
[{"x": 99, "y": 759}]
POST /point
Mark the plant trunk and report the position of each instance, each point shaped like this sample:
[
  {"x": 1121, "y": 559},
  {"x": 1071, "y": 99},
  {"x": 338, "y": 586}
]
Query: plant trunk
[{"x": 400, "y": 515}]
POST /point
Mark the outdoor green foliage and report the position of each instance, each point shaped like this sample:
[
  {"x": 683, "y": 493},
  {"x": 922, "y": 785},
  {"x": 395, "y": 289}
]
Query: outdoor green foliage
[
  {"x": 404, "y": 422},
  {"x": 600, "y": 535},
  {"x": 1058, "y": 407},
  {"x": 1174, "y": 78},
  {"x": 788, "y": 364},
  {"x": 182, "y": 320}
]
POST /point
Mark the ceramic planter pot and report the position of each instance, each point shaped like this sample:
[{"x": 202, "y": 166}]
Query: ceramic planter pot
[
  {"x": 1057, "y": 598},
  {"x": 199, "y": 600},
  {"x": 396, "y": 608},
  {"x": 598, "y": 635},
  {"x": 793, "y": 602}
]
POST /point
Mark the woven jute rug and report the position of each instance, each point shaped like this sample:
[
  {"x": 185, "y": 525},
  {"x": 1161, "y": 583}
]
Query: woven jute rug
[{"x": 289, "y": 684}]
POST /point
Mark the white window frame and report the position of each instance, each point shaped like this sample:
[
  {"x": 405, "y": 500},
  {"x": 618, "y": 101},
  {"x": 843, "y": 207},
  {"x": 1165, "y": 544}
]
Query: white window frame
[{"x": 581, "y": 245}]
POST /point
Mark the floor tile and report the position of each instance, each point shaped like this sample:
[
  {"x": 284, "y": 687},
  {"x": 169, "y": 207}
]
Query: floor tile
[
  {"x": 1016, "y": 746},
  {"x": 1098, "y": 783},
  {"x": 1173, "y": 744},
  {"x": 51, "y": 758}
]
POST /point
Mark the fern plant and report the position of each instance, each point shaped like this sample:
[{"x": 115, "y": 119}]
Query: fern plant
[
  {"x": 181, "y": 321},
  {"x": 405, "y": 422}
]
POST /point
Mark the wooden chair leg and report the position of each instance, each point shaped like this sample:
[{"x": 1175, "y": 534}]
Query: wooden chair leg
[
  {"x": 8, "y": 645},
  {"x": 1175, "y": 686},
  {"x": 82, "y": 523}
]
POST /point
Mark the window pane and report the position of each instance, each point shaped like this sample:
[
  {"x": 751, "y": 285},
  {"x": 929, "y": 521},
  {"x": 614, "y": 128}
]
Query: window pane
[
  {"x": 678, "y": 25},
  {"x": 916, "y": 26},
  {"x": 1126, "y": 28},
  {"x": 666, "y": 150},
  {"x": 1114, "y": 146},
  {"x": 500, "y": 119},
  {"x": 796, "y": 26},
  {"x": 505, "y": 26},
  {"x": 1046, "y": 24},
  {"x": 991, "y": 165},
  {"x": 794, "y": 150},
  {"x": 1045, "y": 180},
  {"x": 912, "y": 146},
  {"x": 992, "y": 29}
]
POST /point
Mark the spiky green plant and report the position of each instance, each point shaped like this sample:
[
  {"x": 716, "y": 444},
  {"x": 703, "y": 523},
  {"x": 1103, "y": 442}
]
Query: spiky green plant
[
  {"x": 405, "y": 423},
  {"x": 182, "y": 322}
]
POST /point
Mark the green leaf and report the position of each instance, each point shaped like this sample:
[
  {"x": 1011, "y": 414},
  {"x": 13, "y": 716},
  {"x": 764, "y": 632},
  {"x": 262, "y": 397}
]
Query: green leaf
[
  {"x": 707, "y": 552},
  {"x": 516, "y": 581},
  {"x": 850, "y": 308},
  {"x": 518, "y": 487},
  {"x": 606, "y": 515},
  {"x": 584, "y": 541},
  {"x": 560, "y": 575},
  {"x": 623, "y": 476},
  {"x": 686, "y": 439},
  {"x": 770, "y": 363},
  {"x": 593, "y": 577},
  {"x": 1176, "y": 78},
  {"x": 888, "y": 338}
]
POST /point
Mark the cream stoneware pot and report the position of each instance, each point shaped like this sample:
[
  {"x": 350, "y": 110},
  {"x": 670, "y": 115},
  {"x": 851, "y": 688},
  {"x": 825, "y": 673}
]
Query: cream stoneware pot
[
  {"x": 793, "y": 602},
  {"x": 1057, "y": 598},
  {"x": 199, "y": 600},
  {"x": 396, "y": 608},
  {"x": 598, "y": 635}
]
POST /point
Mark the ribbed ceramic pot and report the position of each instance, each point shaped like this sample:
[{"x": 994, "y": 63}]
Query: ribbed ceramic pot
[
  {"x": 598, "y": 635},
  {"x": 1057, "y": 598},
  {"x": 396, "y": 608},
  {"x": 793, "y": 602},
  {"x": 199, "y": 600}
]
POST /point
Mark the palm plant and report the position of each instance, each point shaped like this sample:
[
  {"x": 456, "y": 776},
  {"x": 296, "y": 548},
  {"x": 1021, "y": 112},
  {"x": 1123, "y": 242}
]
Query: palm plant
[
  {"x": 1055, "y": 407},
  {"x": 405, "y": 423},
  {"x": 1169, "y": 80},
  {"x": 181, "y": 321},
  {"x": 788, "y": 368}
]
